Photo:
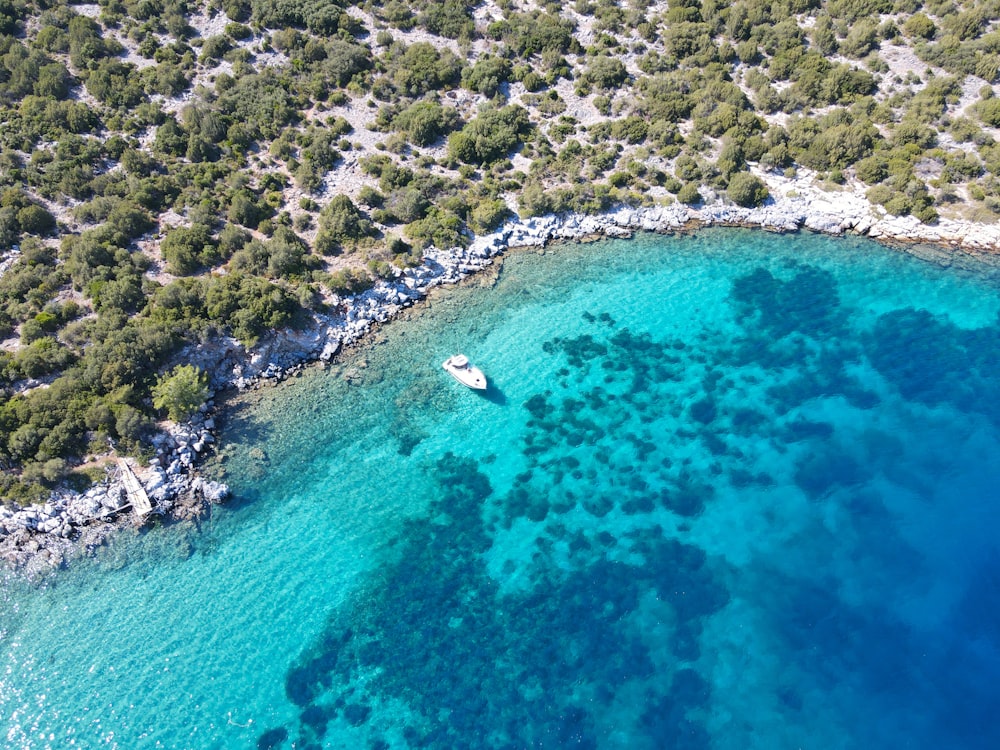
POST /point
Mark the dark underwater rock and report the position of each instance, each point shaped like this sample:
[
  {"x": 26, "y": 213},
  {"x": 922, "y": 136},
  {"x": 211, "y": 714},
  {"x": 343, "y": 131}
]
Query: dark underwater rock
[{"x": 272, "y": 739}]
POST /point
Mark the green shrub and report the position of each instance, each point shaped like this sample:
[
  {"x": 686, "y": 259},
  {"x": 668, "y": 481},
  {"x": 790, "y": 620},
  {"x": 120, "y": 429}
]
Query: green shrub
[
  {"x": 534, "y": 32},
  {"x": 349, "y": 281},
  {"x": 490, "y": 136},
  {"x": 606, "y": 72},
  {"x": 246, "y": 208},
  {"x": 116, "y": 84},
  {"x": 488, "y": 215},
  {"x": 872, "y": 169},
  {"x": 919, "y": 26},
  {"x": 42, "y": 357},
  {"x": 340, "y": 223},
  {"x": 989, "y": 112},
  {"x": 188, "y": 249},
  {"x": 440, "y": 228},
  {"x": 880, "y": 194},
  {"x": 238, "y": 31},
  {"x": 421, "y": 67},
  {"x": 451, "y": 18},
  {"x": 248, "y": 305},
  {"x": 425, "y": 122},
  {"x": 861, "y": 39},
  {"x": 34, "y": 219},
  {"x": 689, "y": 195},
  {"x": 899, "y": 205},
  {"x": 747, "y": 190},
  {"x": 487, "y": 75}
]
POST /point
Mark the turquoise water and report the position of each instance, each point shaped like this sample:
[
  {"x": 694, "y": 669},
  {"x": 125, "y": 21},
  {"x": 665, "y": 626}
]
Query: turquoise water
[{"x": 729, "y": 490}]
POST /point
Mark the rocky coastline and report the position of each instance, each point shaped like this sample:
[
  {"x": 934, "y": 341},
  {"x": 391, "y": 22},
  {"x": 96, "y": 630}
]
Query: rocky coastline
[{"x": 36, "y": 539}]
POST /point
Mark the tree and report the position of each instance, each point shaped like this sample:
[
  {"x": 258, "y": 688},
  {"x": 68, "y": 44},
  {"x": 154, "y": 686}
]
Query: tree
[{"x": 181, "y": 392}]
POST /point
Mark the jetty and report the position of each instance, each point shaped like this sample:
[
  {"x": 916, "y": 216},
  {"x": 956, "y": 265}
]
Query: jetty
[{"x": 134, "y": 490}]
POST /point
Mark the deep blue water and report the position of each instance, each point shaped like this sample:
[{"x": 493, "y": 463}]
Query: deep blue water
[{"x": 727, "y": 490}]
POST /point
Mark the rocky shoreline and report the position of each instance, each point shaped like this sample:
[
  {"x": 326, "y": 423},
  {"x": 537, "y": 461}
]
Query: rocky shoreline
[{"x": 39, "y": 538}]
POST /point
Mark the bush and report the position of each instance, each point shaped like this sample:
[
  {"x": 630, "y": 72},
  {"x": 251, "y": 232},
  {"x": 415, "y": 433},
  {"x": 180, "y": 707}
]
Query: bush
[
  {"x": 487, "y": 75},
  {"x": 349, "y": 281},
  {"x": 689, "y": 195},
  {"x": 919, "y": 26},
  {"x": 425, "y": 122},
  {"x": 34, "y": 219},
  {"x": 489, "y": 137},
  {"x": 747, "y": 190},
  {"x": 41, "y": 357},
  {"x": 451, "y": 18},
  {"x": 116, "y": 84},
  {"x": 873, "y": 169},
  {"x": 606, "y": 72},
  {"x": 186, "y": 250},
  {"x": 422, "y": 68},
  {"x": 861, "y": 39},
  {"x": 248, "y": 305},
  {"x": 181, "y": 392},
  {"x": 488, "y": 215},
  {"x": 246, "y": 208},
  {"x": 406, "y": 204},
  {"x": 340, "y": 223},
  {"x": 989, "y": 112},
  {"x": 880, "y": 194},
  {"x": 440, "y": 228}
]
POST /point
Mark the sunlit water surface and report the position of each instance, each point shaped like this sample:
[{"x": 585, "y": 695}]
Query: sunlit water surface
[{"x": 729, "y": 490}]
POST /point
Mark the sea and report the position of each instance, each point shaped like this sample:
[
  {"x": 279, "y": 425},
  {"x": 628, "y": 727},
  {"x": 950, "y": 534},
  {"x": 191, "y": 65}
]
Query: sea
[{"x": 727, "y": 489}]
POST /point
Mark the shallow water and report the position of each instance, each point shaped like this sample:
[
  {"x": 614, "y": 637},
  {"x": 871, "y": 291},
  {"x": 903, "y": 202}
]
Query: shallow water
[{"x": 727, "y": 490}]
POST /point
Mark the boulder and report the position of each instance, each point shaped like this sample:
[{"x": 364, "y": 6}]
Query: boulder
[{"x": 215, "y": 492}]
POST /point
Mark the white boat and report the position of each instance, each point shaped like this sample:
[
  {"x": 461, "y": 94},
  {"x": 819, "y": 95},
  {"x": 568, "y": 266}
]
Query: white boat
[{"x": 458, "y": 367}]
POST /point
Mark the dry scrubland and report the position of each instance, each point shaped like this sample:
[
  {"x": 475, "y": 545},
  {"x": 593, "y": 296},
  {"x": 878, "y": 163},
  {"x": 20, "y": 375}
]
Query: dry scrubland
[{"x": 176, "y": 172}]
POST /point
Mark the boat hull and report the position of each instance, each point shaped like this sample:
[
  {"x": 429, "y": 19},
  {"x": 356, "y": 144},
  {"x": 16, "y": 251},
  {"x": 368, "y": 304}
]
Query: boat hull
[{"x": 466, "y": 374}]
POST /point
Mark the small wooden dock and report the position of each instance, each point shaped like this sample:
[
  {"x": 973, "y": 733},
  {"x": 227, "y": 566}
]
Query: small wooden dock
[{"x": 137, "y": 496}]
